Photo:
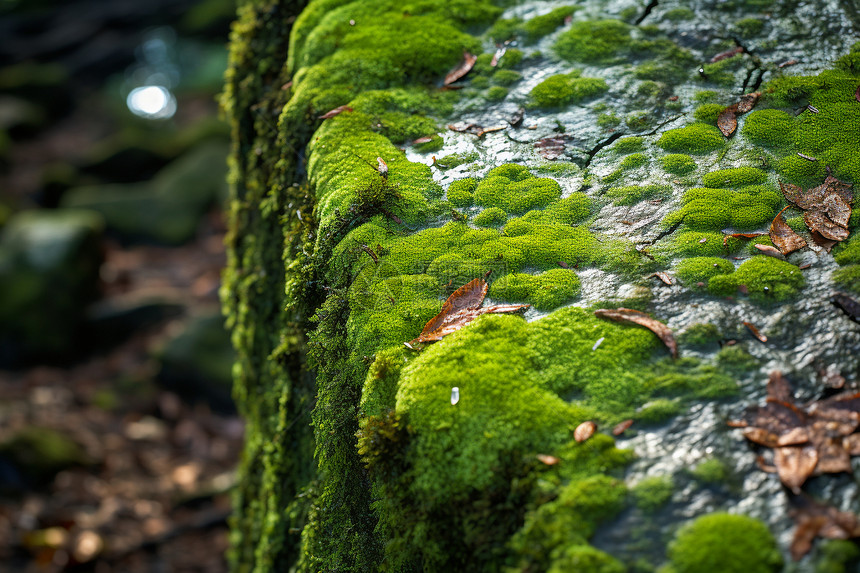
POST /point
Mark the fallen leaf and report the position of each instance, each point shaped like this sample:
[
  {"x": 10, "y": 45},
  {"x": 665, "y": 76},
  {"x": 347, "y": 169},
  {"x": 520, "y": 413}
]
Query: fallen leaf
[
  {"x": 807, "y": 157},
  {"x": 795, "y": 464},
  {"x": 818, "y": 222},
  {"x": 769, "y": 250},
  {"x": 621, "y": 427},
  {"x": 727, "y": 121},
  {"x": 761, "y": 436},
  {"x": 584, "y": 431},
  {"x": 336, "y": 111},
  {"x": 784, "y": 237},
  {"x": 464, "y": 68},
  {"x": 425, "y": 139},
  {"x": 461, "y": 308},
  {"x": 491, "y": 129},
  {"x": 825, "y": 244},
  {"x": 663, "y": 276},
  {"x": 837, "y": 209},
  {"x": 778, "y": 388},
  {"x": 465, "y": 128},
  {"x": 727, "y": 54},
  {"x": 629, "y": 315},
  {"x": 551, "y": 147},
  {"x": 788, "y": 63},
  {"x": 548, "y": 460},
  {"x": 746, "y": 235},
  {"x": 748, "y": 102},
  {"x": 500, "y": 51},
  {"x": 815, "y": 519},
  {"x": 852, "y": 444},
  {"x": 847, "y": 305},
  {"x": 752, "y": 328}
]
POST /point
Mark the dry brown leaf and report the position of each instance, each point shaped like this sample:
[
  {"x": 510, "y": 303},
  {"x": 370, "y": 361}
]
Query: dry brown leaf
[
  {"x": 551, "y": 147},
  {"x": 852, "y": 444},
  {"x": 784, "y": 237},
  {"x": 769, "y": 250},
  {"x": 336, "y": 111},
  {"x": 622, "y": 427},
  {"x": 746, "y": 235},
  {"x": 761, "y": 436},
  {"x": 491, "y": 129},
  {"x": 727, "y": 121},
  {"x": 662, "y": 331},
  {"x": 795, "y": 464},
  {"x": 794, "y": 437},
  {"x": 818, "y": 222},
  {"x": 752, "y": 328},
  {"x": 584, "y": 431},
  {"x": 815, "y": 519},
  {"x": 663, "y": 276},
  {"x": 847, "y": 305},
  {"x": 727, "y": 54},
  {"x": 464, "y": 68},
  {"x": 748, "y": 102},
  {"x": 778, "y": 388},
  {"x": 832, "y": 456},
  {"x": 548, "y": 460}
]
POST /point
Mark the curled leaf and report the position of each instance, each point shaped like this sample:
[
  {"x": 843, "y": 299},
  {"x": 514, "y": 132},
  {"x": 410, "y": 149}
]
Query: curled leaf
[
  {"x": 584, "y": 431},
  {"x": 621, "y": 427},
  {"x": 727, "y": 54},
  {"x": 818, "y": 222},
  {"x": 752, "y": 328},
  {"x": 795, "y": 464},
  {"x": 662, "y": 331},
  {"x": 727, "y": 121},
  {"x": 815, "y": 519},
  {"x": 748, "y": 102},
  {"x": 491, "y": 129},
  {"x": 464, "y": 68},
  {"x": 769, "y": 251},
  {"x": 784, "y": 237},
  {"x": 663, "y": 276},
  {"x": 336, "y": 111}
]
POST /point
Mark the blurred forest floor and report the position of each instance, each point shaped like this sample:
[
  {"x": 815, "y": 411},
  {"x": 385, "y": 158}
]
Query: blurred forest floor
[{"x": 118, "y": 436}]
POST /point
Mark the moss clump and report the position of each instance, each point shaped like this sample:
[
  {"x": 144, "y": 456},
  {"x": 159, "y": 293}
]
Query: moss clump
[
  {"x": 736, "y": 359},
  {"x": 696, "y": 138},
  {"x": 564, "y": 89},
  {"x": 838, "y": 556},
  {"x": 492, "y": 217},
  {"x": 749, "y": 27},
  {"x": 768, "y": 127},
  {"x": 546, "y": 291},
  {"x": 540, "y": 26},
  {"x": 496, "y": 93},
  {"x": 725, "y": 72},
  {"x": 724, "y": 543},
  {"x": 456, "y": 160},
  {"x": 712, "y": 471},
  {"x": 653, "y": 492},
  {"x": 658, "y": 411},
  {"x": 679, "y": 14},
  {"x": 678, "y": 163},
  {"x": 709, "y": 209},
  {"x": 513, "y": 188},
  {"x": 700, "y": 334},
  {"x": 435, "y": 144},
  {"x": 461, "y": 192},
  {"x": 734, "y": 177},
  {"x": 848, "y": 278},
  {"x": 708, "y": 112},
  {"x": 633, "y": 161},
  {"x": 598, "y": 41},
  {"x": 608, "y": 120},
  {"x": 632, "y": 194},
  {"x": 506, "y": 77},
  {"x": 701, "y": 269},
  {"x": 628, "y": 145},
  {"x": 767, "y": 280}
]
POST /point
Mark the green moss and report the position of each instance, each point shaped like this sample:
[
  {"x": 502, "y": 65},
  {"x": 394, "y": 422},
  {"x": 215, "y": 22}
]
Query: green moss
[
  {"x": 708, "y": 112},
  {"x": 715, "y": 209},
  {"x": 633, "y": 161},
  {"x": 505, "y": 29},
  {"x": 564, "y": 89},
  {"x": 696, "y": 138},
  {"x": 628, "y": 145},
  {"x": 585, "y": 558},
  {"x": 496, "y": 93},
  {"x": 456, "y": 160},
  {"x": 701, "y": 269},
  {"x": 848, "y": 252},
  {"x": 632, "y": 194},
  {"x": 658, "y": 411},
  {"x": 678, "y": 163},
  {"x": 701, "y": 244},
  {"x": 706, "y": 96},
  {"x": 512, "y": 188},
  {"x": 679, "y": 14},
  {"x": 848, "y": 278},
  {"x": 700, "y": 334},
  {"x": 540, "y": 26},
  {"x": 749, "y": 27},
  {"x": 479, "y": 82},
  {"x": 736, "y": 359},
  {"x": 506, "y": 77},
  {"x": 546, "y": 291},
  {"x": 726, "y": 72},
  {"x": 712, "y": 471},
  {"x": 838, "y": 556},
  {"x": 734, "y": 177},
  {"x": 598, "y": 41},
  {"x": 767, "y": 280},
  {"x": 492, "y": 217},
  {"x": 608, "y": 120},
  {"x": 726, "y": 543},
  {"x": 652, "y": 493}
]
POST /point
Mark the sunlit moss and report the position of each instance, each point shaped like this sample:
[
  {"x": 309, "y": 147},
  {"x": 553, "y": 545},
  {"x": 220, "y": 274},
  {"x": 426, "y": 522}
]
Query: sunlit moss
[
  {"x": 564, "y": 89},
  {"x": 695, "y": 138},
  {"x": 678, "y": 163}
]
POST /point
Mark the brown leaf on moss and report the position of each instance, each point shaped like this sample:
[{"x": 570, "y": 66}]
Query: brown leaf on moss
[
  {"x": 815, "y": 519},
  {"x": 548, "y": 460},
  {"x": 461, "y": 308},
  {"x": 794, "y": 194},
  {"x": 663, "y": 276},
  {"x": 336, "y": 111},
  {"x": 752, "y": 328},
  {"x": 769, "y": 250},
  {"x": 662, "y": 331},
  {"x": 784, "y": 237},
  {"x": 746, "y": 235},
  {"x": 818, "y": 222},
  {"x": 622, "y": 427},
  {"x": 584, "y": 431},
  {"x": 748, "y": 102},
  {"x": 825, "y": 244},
  {"x": 464, "y": 68},
  {"x": 727, "y": 54},
  {"x": 727, "y": 121}
]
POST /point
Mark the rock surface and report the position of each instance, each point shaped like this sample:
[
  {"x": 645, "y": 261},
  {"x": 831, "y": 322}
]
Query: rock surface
[{"x": 585, "y": 161}]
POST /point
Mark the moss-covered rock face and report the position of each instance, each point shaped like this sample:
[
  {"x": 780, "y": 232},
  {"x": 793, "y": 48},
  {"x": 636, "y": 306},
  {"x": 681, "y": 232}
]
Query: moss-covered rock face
[{"x": 567, "y": 193}]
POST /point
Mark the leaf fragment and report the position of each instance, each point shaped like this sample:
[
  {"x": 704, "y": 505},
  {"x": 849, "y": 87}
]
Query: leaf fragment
[
  {"x": 784, "y": 237},
  {"x": 336, "y": 111},
  {"x": 663, "y": 276},
  {"x": 727, "y": 121},
  {"x": 727, "y": 54},
  {"x": 517, "y": 118},
  {"x": 818, "y": 222},
  {"x": 752, "y": 328},
  {"x": 815, "y": 519},
  {"x": 584, "y": 431},
  {"x": 769, "y": 251},
  {"x": 847, "y": 305},
  {"x": 547, "y": 459},
  {"x": 551, "y": 148},
  {"x": 795, "y": 464},
  {"x": 491, "y": 129},
  {"x": 461, "y": 70},
  {"x": 748, "y": 101},
  {"x": 662, "y": 331},
  {"x": 622, "y": 427}
]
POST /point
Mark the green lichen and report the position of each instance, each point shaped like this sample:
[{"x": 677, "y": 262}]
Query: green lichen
[
  {"x": 652, "y": 493},
  {"x": 696, "y": 138},
  {"x": 546, "y": 291},
  {"x": 564, "y": 89},
  {"x": 724, "y": 543},
  {"x": 678, "y": 163}
]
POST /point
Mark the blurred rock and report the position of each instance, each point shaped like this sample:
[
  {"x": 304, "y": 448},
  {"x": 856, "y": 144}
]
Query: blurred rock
[
  {"x": 166, "y": 209},
  {"x": 49, "y": 270},
  {"x": 197, "y": 363},
  {"x": 36, "y": 455}
]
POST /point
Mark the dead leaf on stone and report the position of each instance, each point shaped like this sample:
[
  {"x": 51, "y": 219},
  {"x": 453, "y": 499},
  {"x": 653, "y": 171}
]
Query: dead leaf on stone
[
  {"x": 461, "y": 308},
  {"x": 622, "y": 427},
  {"x": 818, "y": 222},
  {"x": 548, "y": 460},
  {"x": 336, "y": 111},
  {"x": 752, "y": 328},
  {"x": 727, "y": 121},
  {"x": 769, "y": 250},
  {"x": 500, "y": 51},
  {"x": 815, "y": 519},
  {"x": 491, "y": 129},
  {"x": 761, "y": 436},
  {"x": 784, "y": 237},
  {"x": 727, "y": 54},
  {"x": 788, "y": 63},
  {"x": 748, "y": 102},
  {"x": 464, "y": 68},
  {"x": 465, "y": 128},
  {"x": 425, "y": 139},
  {"x": 795, "y": 464},
  {"x": 663, "y": 276},
  {"x": 662, "y": 331},
  {"x": 584, "y": 431},
  {"x": 551, "y": 147},
  {"x": 778, "y": 388},
  {"x": 847, "y": 305}
]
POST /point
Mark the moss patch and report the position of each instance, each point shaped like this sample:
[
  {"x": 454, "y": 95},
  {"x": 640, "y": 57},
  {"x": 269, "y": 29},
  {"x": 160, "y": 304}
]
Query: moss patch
[
  {"x": 695, "y": 138},
  {"x": 564, "y": 89}
]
